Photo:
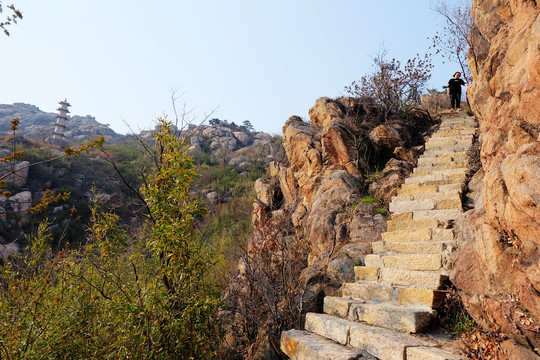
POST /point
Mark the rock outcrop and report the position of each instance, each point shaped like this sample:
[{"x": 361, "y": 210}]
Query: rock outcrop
[
  {"x": 498, "y": 269},
  {"x": 398, "y": 289},
  {"x": 316, "y": 201}
]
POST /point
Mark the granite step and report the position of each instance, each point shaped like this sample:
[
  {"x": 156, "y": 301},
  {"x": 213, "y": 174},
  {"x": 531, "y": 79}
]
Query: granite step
[
  {"x": 402, "y": 205},
  {"x": 304, "y": 345},
  {"x": 414, "y": 279},
  {"x": 419, "y": 235},
  {"x": 398, "y": 295},
  {"x": 380, "y": 342},
  {"x": 404, "y": 225},
  {"x": 418, "y": 262},
  {"x": 411, "y": 318},
  {"x": 413, "y": 247}
]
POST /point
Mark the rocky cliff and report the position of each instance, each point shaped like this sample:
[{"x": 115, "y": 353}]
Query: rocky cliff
[{"x": 498, "y": 269}]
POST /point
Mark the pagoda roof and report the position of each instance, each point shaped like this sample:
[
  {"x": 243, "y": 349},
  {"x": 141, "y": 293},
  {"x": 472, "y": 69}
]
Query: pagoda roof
[
  {"x": 64, "y": 102},
  {"x": 62, "y": 109},
  {"x": 55, "y": 133}
]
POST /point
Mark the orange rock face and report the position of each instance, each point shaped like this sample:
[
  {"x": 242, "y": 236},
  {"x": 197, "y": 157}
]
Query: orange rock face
[{"x": 498, "y": 269}]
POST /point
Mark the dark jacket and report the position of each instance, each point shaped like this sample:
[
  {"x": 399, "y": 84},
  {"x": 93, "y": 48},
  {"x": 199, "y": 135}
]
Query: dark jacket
[{"x": 455, "y": 85}]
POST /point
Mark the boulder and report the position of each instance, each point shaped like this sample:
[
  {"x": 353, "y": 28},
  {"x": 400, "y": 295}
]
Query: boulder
[
  {"x": 242, "y": 138},
  {"x": 20, "y": 202},
  {"x": 237, "y": 161},
  {"x": 17, "y": 174},
  {"x": 385, "y": 138}
]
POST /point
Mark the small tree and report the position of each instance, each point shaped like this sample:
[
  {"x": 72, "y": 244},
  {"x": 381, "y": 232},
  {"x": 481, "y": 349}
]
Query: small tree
[
  {"x": 393, "y": 87},
  {"x": 247, "y": 125},
  {"x": 10, "y": 19},
  {"x": 454, "y": 42}
]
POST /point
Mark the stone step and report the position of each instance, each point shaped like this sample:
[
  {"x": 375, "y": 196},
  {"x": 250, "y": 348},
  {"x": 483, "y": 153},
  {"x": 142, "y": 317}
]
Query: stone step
[
  {"x": 440, "y": 215},
  {"x": 432, "y": 280},
  {"x": 373, "y": 261},
  {"x": 303, "y": 345},
  {"x": 411, "y": 205},
  {"x": 413, "y": 247},
  {"x": 411, "y": 278},
  {"x": 423, "y": 178},
  {"x": 377, "y": 292},
  {"x": 446, "y": 148},
  {"x": 442, "y": 160},
  {"x": 405, "y": 318},
  {"x": 426, "y": 195},
  {"x": 451, "y": 152},
  {"x": 382, "y": 343},
  {"x": 415, "y": 187},
  {"x": 445, "y": 132},
  {"x": 400, "y": 206},
  {"x": 418, "y": 235},
  {"x": 366, "y": 273},
  {"x": 443, "y": 142},
  {"x": 439, "y": 170},
  {"x": 434, "y": 168},
  {"x": 396, "y": 225},
  {"x": 420, "y": 262}
]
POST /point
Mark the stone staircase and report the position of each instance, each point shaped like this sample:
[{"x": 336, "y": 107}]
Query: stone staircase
[{"x": 388, "y": 312}]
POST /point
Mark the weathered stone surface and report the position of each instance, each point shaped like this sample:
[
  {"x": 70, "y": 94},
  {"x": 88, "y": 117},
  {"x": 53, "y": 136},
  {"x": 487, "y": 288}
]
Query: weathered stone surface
[
  {"x": 266, "y": 191},
  {"x": 405, "y": 206},
  {"x": 302, "y": 345},
  {"x": 382, "y": 343},
  {"x": 386, "y": 138},
  {"x": 20, "y": 202},
  {"x": 440, "y": 215},
  {"x": 242, "y": 138},
  {"x": 366, "y": 273},
  {"x": 336, "y": 147},
  {"x": 326, "y": 111},
  {"x": 368, "y": 292},
  {"x": 391, "y": 178},
  {"x": 413, "y": 261},
  {"x": 366, "y": 225},
  {"x": 7, "y": 250},
  {"x": 337, "y": 306},
  {"x": 431, "y": 298},
  {"x": 15, "y": 175},
  {"x": 408, "y": 319},
  {"x": 395, "y": 225},
  {"x": 416, "y": 279},
  {"x": 373, "y": 261},
  {"x": 500, "y": 249},
  {"x": 407, "y": 235},
  {"x": 330, "y": 327},
  {"x": 416, "y": 247}
]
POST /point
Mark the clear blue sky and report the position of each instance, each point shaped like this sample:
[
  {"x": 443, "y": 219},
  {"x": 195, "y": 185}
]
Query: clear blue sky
[{"x": 261, "y": 61}]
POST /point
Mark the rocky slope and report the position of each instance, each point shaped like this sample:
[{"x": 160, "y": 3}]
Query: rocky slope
[
  {"x": 314, "y": 213},
  {"x": 235, "y": 149},
  {"x": 38, "y": 125},
  {"x": 498, "y": 269}
]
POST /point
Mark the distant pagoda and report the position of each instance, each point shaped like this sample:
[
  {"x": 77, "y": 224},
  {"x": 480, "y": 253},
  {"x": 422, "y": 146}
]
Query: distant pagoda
[{"x": 61, "y": 120}]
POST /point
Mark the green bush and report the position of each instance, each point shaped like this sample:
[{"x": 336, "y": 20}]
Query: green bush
[{"x": 143, "y": 296}]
